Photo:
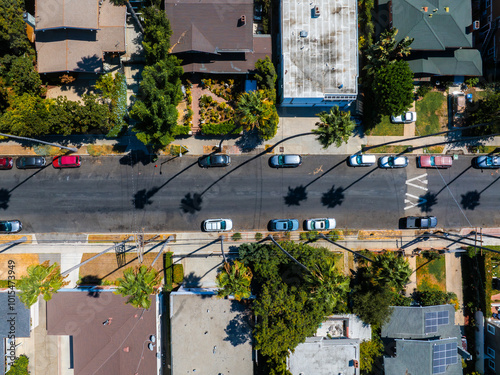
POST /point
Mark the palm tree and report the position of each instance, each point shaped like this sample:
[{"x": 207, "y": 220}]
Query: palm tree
[
  {"x": 253, "y": 109},
  {"x": 328, "y": 286},
  {"x": 43, "y": 279},
  {"x": 138, "y": 284},
  {"x": 234, "y": 280},
  {"x": 390, "y": 270},
  {"x": 335, "y": 127}
]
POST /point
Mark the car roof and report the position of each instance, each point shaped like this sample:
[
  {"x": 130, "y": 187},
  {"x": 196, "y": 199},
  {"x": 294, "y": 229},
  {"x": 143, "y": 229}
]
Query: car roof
[
  {"x": 399, "y": 160},
  {"x": 291, "y": 158},
  {"x": 368, "y": 158}
]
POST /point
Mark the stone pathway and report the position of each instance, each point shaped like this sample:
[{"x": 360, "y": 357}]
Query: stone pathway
[{"x": 454, "y": 282}]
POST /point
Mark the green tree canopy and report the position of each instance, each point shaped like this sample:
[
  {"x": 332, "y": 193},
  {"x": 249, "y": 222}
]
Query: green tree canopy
[
  {"x": 42, "y": 279},
  {"x": 485, "y": 111},
  {"x": 437, "y": 297},
  {"x": 138, "y": 284},
  {"x": 390, "y": 271},
  {"x": 393, "y": 88},
  {"x": 13, "y": 38},
  {"x": 369, "y": 351},
  {"x": 254, "y": 110},
  {"x": 266, "y": 77},
  {"x": 372, "y": 305},
  {"x": 23, "y": 76},
  {"x": 334, "y": 127},
  {"x": 234, "y": 279},
  {"x": 157, "y": 33}
]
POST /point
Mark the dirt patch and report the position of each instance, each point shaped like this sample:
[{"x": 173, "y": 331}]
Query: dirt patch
[
  {"x": 443, "y": 116},
  {"x": 21, "y": 263},
  {"x": 111, "y": 266},
  {"x": 12, "y": 237},
  {"x": 115, "y": 238},
  {"x": 379, "y": 234}
]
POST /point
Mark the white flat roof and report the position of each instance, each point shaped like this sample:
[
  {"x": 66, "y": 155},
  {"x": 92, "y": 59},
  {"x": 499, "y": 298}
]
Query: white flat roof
[{"x": 325, "y": 62}]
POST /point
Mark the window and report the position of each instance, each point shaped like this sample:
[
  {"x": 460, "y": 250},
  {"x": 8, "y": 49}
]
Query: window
[
  {"x": 490, "y": 352},
  {"x": 491, "y": 364},
  {"x": 491, "y": 329}
]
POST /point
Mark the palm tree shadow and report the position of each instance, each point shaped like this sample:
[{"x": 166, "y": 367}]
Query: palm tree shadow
[
  {"x": 426, "y": 201},
  {"x": 191, "y": 204},
  {"x": 295, "y": 195},
  {"x": 142, "y": 197},
  {"x": 238, "y": 330},
  {"x": 333, "y": 197},
  {"x": 470, "y": 200},
  {"x": 4, "y": 198}
]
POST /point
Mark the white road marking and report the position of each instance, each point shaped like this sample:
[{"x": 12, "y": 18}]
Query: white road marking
[
  {"x": 419, "y": 179},
  {"x": 420, "y": 201}
]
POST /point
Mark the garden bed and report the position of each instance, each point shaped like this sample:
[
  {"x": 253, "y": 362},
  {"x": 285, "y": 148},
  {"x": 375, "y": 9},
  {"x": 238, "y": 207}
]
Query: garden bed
[{"x": 431, "y": 274}]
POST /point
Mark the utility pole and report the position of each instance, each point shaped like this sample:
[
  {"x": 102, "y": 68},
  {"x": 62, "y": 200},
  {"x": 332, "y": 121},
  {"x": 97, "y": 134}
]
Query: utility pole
[{"x": 170, "y": 238}]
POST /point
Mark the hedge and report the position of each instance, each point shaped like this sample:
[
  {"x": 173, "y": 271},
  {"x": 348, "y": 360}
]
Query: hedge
[
  {"x": 220, "y": 129},
  {"x": 168, "y": 271},
  {"x": 178, "y": 273}
]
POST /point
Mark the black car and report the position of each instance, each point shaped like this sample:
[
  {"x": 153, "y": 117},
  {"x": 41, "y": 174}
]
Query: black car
[
  {"x": 28, "y": 162},
  {"x": 217, "y": 160}
]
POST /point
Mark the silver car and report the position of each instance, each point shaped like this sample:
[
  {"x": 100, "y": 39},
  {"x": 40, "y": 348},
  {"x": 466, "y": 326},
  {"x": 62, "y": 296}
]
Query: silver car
[
  {"x": 320, "y": 224},
  {"x": 285, "y": 161},
  {"x": 361, "y": 160},
  {"x": 393, "y": 161},
  {"x": 10, "y": 226},
  {"x": 217, "y": 225},
  {"x": 406, "y": 118}
]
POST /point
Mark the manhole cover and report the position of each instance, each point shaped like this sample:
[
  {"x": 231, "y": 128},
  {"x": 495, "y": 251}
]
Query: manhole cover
[{"x": 282, "y": 149}]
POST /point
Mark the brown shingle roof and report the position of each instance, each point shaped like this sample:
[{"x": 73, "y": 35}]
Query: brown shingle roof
[
  {"x": 50, "y": 14},
  {"x": 102, "y": 349},
  {"x": 210, "y": 25}
]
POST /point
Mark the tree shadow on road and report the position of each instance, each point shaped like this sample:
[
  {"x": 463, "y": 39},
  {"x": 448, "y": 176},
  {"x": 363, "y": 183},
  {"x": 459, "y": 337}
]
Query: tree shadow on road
[
  {"x": 295, "y": 195},
  {"x": 333, "y": 197},
  {"x": 470, "y": 200},
  {"x": 190, "y": 204},
  {"x": 143, "y": 198},
  {"x": 4, "y": 198},
  {"x": 427, "y": 201}
]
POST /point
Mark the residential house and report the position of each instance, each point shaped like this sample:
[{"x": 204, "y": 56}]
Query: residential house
[
  {"x": 15, "y": 324},
  {"x": 492, "y": 337},
  {"x": 216, "y": 36},
  {"x": 442, "y": 32},
  {"x": 487, "y": 34},
  {"x": 335, "y": 348},
  {"x": 423, "y": 341},
  {"x": 98, "y": 333},
  {"x": 209, "y": 335},
  {"x": 76, "y": 36},
  {"x": 318, "y": 49}
]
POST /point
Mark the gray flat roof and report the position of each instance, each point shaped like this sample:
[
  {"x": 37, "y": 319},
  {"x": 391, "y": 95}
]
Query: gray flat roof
[
  {"x": 325, "y": 357},
  {"x": 326, "y": 60},
  {"x": 210, "y": 335}
]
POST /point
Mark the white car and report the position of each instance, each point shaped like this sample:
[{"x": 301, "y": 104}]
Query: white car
[
  {"x": 320, "y": 224},
  {"x": 393, "y": 161},
  {"x": 217, "y": 225},
  {"x": 405, "y": 118},
  {"x": 361, "y": 160}
]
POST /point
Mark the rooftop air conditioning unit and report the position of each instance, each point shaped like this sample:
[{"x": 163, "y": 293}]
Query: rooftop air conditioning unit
[
  {"x": 476, "y": 25},
  {"x": 303, "y": 34}
]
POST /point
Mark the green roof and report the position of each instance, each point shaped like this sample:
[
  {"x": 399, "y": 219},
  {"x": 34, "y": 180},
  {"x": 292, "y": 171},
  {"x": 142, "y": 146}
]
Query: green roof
[
  {"x": 466, "y": 62},
  {"x": 442, "y": 30}
]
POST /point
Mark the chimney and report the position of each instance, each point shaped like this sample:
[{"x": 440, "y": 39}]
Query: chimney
[
  {"x": 355, "y": 363},
  {"x": 476, "y": 25},
  {"x": 447, "y": 9},
  {"x": 425, "y": 9},
  {"x": 243, "y": 20},
  {"x": 316, "y": 11}
]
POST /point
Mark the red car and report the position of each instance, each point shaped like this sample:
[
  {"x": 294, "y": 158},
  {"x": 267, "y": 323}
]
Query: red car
[
  {"x": 6, "y": 163},
  {"x": 69, "y": 161},
  {"x": 430, "y": 161}
]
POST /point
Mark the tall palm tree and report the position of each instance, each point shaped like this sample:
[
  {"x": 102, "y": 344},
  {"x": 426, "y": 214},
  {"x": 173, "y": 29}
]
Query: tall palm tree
[
  {"x": 328, "y": 286},
  {"x": 234, "y": 280},
  {"x": 254, "y": 109},
  {"x": 390, "y": 270},
  {"x": 334, "y": 127},
  {"x": 42, "y": 279},
  {"x": 138, "y": 284}
]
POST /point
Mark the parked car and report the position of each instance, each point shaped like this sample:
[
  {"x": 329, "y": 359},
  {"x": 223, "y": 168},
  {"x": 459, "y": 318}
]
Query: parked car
[
  {"x": 216, "y": 160},
  {"x": 285, "y": 161},
  {"x": 361, "y": 160},
  {"x": 393, "y": 161},
  {"x": 29, "y": 162},
  {"x": 67, "y": 161},
  {"x": 217, "y": 225},
  {"x": 405, "y": 118},
  {"x": 6, "y": 163},
  {"x": 429, "y": 161},
  {"x": 10, "y": 226},
  {"x": 283, "y": 225},
  {"x": 320, "y": 224},
  {"x": 486, "y": 161},
  {"x": 413, "y": 222}
]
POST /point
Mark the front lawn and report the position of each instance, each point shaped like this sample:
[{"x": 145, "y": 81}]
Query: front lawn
[
  {"x": 431, "y": 274},
  {"x": 386, "y": 127},
  {"x": 432, "y": 113}
]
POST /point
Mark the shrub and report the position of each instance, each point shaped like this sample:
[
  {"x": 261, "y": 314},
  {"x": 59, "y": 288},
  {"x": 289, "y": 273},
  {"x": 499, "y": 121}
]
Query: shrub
[
  {"x": 334, "y": 235},
  {"x": 20, "y": 366},
  {"x": 178, "y": 273},
  {"x": 311, "y": 236},
  {"x": 423, "y": 90},
  {"x": 220, "y": 128},
  {"x": 236, "y": 236},
  {"x": 258, "y": 236},
  {"x": 168, "y": 271}
]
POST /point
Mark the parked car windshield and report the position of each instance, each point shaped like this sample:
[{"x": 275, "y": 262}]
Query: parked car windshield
[
  {"x": 5, "y": 227},
  {"x": 222, "y": 225}
]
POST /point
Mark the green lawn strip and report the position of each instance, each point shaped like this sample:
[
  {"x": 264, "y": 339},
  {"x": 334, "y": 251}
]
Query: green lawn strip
[
  {"x": 385, "y": 127},
  {"x": 390, "y": 149},
  {"x": 434, "y": 149},
  {"x": 484, "y": 149},
  {"x": 477, "y": 95},
  {"x": 431, "y": 275},
  {"x": 428, "y": 113}
]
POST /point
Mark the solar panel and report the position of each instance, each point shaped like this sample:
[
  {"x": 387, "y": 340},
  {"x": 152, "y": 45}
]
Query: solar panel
[
  {"x": 443, "y": 355},
  {"x": 435, "y": 319}
]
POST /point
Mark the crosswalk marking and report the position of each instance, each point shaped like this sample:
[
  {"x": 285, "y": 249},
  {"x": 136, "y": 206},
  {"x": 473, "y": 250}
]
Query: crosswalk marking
[
  {"x": 420, "y": 201},
  {"x": 419, "y": 182},
  {"x": 419, "y": 179}
]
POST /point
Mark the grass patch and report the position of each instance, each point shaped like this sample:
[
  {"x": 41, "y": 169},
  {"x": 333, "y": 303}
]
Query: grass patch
[
  {"x": 98, "y": 150},
  {"x": 434, "y": 149},
  {"x": 46, "y": 150},
  {"x": 429, "y": 109},
  {"x": 339, "y": 262},
  {"x": 390, "y": 149},
  {"x": 385, "y": 127},
  {"x": 484, "y": 149},
  {"x": 478, "y": 95},
  {"x": 431, "y": 275}
]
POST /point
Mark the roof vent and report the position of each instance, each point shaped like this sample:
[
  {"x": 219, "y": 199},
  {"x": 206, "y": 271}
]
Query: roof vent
[
  {"x": 476, "y": 25},
  {"x": 303, "y": 34},
  {"x": 430, "y": 15},
  {"x": 447, "y": 9},
  {"x": 316, "y": 11},
  {"x": 435, "y": 9}
]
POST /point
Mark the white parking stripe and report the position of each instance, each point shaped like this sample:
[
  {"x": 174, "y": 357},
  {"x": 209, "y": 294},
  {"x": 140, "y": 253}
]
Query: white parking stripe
[{"x": 419, "y": 179}]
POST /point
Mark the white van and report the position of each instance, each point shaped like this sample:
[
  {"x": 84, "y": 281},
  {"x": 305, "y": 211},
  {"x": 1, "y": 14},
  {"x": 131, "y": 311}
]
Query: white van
[{"x": 361, "y": 160}]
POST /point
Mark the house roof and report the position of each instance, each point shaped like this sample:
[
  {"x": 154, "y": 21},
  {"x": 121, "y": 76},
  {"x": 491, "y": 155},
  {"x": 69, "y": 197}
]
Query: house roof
[
  {"x": 15, "y": 320},
  {"x": 209, "y": 335},
  {"x": 419, "y": 322},
  {"x": 424, "y": 357},
  {"x": 52, "y": 14},
  {"x": 445, "y": 29},
  {"x": 320, "y": 54},
  {"x": 231, "y": 63},
  {"x": 81, "y": 50},
  {"x": 117, "y": 348},
  {"x": 465, "y": 62},
  {"x": 210, "y": 26}
]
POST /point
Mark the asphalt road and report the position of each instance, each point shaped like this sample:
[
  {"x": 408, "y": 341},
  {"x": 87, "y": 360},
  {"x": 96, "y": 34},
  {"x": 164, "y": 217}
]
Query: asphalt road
[{"x": 108, "y": 194}]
